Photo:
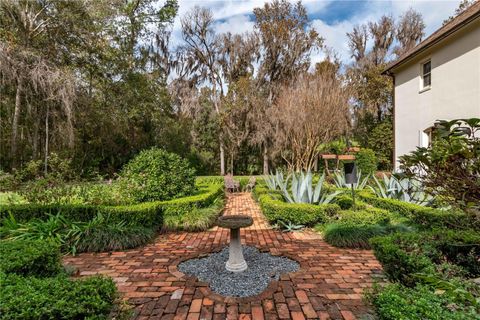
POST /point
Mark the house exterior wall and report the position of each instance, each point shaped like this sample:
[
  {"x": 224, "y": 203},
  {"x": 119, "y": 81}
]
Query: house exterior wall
[{"x": 454, "y": 91}]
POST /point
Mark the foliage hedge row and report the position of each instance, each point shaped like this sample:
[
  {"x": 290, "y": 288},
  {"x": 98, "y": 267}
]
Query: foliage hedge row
[
  {"x": 146, "y": 214},
  {"x": 33, "y": 285},
  {"x": 424, "y": 216},
  {"x": 30, "y": 258},
  {"x": 354, "y": 227},
  {"x": 452, "y": 252},
  {"x": 277, "y": 210}
]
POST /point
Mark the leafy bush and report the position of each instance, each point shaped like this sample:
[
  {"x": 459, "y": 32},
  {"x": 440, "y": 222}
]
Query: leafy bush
[
  {"x": 367, "y": 215},
  {"x": 9, "y": 198},
  {"x": 451, "y": 165},
  {"x": 404, "y": 255},
  {"x": 358, "y": 236},
  {"x": 419, "y": 303},
  {"x": 7, "y": 181},
  {"x": 366, "y": 161},
  {"x": 380, "y": 139},
  {"x": 156, "y": 175},
  {"x": 56, "y": 298},
  {"x": 30, "y": 257}
]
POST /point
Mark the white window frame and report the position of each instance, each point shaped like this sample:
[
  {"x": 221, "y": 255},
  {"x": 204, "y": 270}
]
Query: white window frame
[{"x": 424, "y": 88}]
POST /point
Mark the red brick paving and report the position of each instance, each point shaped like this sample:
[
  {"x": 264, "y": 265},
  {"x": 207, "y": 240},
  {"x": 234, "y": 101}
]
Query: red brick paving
[{"x": 328, "y": 285}]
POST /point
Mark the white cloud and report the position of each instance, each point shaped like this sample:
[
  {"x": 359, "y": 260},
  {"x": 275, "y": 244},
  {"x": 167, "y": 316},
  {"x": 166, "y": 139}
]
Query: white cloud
[{"x": 235, "y": 24}]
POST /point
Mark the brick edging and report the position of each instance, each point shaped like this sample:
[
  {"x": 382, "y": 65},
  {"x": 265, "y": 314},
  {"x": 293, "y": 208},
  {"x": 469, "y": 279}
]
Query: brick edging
[{"x": 208, "y": 293}]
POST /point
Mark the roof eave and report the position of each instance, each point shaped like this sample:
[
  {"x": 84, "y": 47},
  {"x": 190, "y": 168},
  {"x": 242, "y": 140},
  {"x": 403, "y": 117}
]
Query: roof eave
[{"x": 395, "y": 64}]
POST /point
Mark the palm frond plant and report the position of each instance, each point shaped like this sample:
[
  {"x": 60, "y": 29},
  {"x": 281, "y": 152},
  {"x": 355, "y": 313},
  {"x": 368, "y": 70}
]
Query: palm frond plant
[
  {"x": 302, "y": 189},
  {"x": 340, "y": 181}
]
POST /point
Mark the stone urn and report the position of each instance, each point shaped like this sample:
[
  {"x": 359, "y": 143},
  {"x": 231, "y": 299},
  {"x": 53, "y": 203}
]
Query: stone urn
[{"x": 236, "y": 262}]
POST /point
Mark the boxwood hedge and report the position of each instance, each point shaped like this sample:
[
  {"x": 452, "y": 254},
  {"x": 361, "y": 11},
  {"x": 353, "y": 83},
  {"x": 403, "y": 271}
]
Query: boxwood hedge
[
  {"x": 424, "y": 216},
  {"x": 30, "y": 257},
  {"x": 146, "y": 214},
  {"x": 275, "y": 209},
  {"x": 404, "y": 254},
  {"x": 56, "y": 297}
]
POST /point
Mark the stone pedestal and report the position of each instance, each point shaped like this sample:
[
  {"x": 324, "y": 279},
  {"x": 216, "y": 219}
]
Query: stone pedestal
[{"x": 236, "y": 261}]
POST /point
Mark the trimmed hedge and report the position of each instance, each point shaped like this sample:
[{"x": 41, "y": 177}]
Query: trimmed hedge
[
  {"x": 367, "y": 215},
  {"x": 58, "y": 297},
  {"x": 403, "y": 255},
  {"x": 424, "y": 216},
  {"x": 29, "y": 257},
  {"x": 296, "y": 213},
  {"x": 146, "y": 214},
  {"x": 275, "y": 209}
]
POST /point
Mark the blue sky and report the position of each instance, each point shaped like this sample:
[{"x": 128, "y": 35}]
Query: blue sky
[{"x": 332, "y": 19}]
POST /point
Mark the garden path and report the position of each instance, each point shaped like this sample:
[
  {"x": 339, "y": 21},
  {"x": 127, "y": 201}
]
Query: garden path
[{"x": 329, "y": 284}]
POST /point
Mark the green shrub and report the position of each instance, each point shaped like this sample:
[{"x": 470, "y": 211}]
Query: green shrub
[
  {"x": 9, "y": 198},
  {"x": 157, "y": 175},
  {"x": 419, "y": 303},
  {"x": 403, "y": 255},
  {"x": 450, "y": 166},
  {"x": 368, "y": 215},
  {"x": 366, "y": 161},
  {"x": 357, "y": 236},
  {"x": 297, "y": 213},
  {"x": 32, "y": 298},
  {"x": 27, "y": 257}
]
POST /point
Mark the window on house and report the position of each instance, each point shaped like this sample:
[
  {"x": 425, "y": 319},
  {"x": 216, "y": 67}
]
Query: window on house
[{"x": 426, "y": 74}]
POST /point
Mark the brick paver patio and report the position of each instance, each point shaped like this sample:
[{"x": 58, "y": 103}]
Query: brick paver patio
[{"x": 329, "y": 284}]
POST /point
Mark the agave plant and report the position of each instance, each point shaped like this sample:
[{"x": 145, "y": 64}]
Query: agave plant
[
  {"x": 289, "y": 226},
  {"x": 303, "y": 191},
  {"x": 340, "y": 182},
  {"x": 404, "y": 189},
  {"x": 276, "y": 181}
]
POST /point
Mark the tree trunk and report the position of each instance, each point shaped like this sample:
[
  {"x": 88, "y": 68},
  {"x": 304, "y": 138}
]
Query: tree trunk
[
  {"x": 265, "y": 160},
  {"x": 16, "y": 118},
  {"x": 36, "y": 128},
  {"x": 46, "y": 140},
  {"x": 222, "y": 157}
]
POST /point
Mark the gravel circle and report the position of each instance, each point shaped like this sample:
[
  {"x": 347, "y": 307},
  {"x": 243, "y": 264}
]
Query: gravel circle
[{"x": 262, "y": 268}]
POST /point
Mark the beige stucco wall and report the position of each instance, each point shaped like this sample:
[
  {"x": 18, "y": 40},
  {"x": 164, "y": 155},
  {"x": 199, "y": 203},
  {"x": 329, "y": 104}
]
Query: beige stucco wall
[{"x": 454, "y": 93}]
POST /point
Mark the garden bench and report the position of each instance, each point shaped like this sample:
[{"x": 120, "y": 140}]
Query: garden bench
[
  {"x": 251, "y": 184},
  {"x": 231, "y": 185}
]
